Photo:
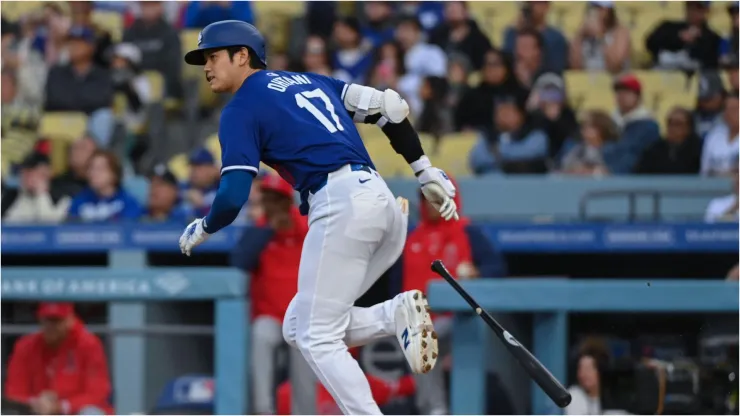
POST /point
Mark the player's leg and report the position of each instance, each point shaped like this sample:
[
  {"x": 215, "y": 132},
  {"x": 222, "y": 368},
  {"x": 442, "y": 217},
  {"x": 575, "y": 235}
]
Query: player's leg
[
  {"x": 266, "y": 337},
  {"x": 431, "y": 394},
  {"x": 349, "y": 224}
]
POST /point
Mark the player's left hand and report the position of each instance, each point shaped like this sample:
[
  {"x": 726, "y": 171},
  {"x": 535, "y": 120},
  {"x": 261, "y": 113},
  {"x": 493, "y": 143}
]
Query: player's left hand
[
  {"x": 193, "y": 236},
  {"x": 439, "y": 191}
]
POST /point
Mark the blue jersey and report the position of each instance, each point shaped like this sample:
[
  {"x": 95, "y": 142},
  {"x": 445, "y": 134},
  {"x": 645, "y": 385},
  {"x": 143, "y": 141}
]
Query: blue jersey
[{"x": 295, "y": 123}]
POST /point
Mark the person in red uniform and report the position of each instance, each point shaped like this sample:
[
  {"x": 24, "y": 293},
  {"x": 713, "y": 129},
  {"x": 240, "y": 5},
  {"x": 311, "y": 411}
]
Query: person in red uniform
[
  {"x": 271, "y": 253},
  {"x": 468, "y": 253},
  {"x": 383, "y": 392},
  {"x": 61, "y": 369}
]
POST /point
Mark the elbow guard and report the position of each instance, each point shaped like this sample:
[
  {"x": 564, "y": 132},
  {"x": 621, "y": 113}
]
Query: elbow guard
[{"x": 367, "y": 101}]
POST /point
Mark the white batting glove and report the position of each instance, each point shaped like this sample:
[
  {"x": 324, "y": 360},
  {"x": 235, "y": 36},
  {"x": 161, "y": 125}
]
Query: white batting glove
[
  {"x": 439, "y": 191},
  {"x": 193, "y": 236}
]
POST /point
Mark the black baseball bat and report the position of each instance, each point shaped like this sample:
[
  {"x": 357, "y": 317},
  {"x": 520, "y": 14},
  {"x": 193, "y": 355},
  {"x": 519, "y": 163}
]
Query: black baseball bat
[{"x": 549, "y": 384}]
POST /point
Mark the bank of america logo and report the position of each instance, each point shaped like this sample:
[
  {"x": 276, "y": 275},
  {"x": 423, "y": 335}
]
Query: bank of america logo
[{"x": 172, "y": 283}]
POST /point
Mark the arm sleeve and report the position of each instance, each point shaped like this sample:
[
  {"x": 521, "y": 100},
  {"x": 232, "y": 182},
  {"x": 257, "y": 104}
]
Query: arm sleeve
[
  {"x": 232, "y": 195},
  {"x": 17, "y": 385},
  {"x": 238, "y": 134},
  {"x": 96, "y": 381}
]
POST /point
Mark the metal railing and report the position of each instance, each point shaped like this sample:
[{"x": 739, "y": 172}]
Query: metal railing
[{"x": 632, "y": 196}]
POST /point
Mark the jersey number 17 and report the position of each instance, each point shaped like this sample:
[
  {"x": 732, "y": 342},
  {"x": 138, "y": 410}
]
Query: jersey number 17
[{"x": 302, "y": 99}]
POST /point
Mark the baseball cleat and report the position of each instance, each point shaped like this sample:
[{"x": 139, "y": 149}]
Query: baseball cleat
[{"x": 415, "y": 331}]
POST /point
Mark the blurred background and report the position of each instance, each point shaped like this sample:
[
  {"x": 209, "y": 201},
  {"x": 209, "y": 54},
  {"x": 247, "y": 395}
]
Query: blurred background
[{"x": 595, "y": 145}]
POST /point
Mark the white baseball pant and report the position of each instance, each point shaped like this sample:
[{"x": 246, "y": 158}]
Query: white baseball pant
[{"x": 356, "y": 232}]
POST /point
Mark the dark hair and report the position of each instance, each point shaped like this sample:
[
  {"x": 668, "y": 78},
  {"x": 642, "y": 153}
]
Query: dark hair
[
  {"x": 254, "y": 61},
  {"x": 687, "y": 114},
  {"x": 410, "y": 19},
  {"x": 378, "y": 57},
  {"x": 114, "y": 164},
  {"x": 611, "y": 18},
  {"x": 535, "y": 34},
  {"x": 604, "y": 124}
]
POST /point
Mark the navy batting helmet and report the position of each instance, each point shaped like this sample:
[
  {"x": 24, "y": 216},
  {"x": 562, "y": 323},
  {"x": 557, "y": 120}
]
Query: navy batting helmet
[{"x": 224, "y": 34}]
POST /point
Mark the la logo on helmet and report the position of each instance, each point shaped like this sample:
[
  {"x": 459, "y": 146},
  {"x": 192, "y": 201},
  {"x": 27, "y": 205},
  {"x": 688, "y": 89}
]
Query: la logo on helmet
[{"x": 200, "y": 38}]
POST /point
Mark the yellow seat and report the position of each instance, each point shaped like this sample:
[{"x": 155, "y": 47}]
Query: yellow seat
[
  {"x": 62, "y": 128},
  {"x": 721, "y": 23},
  {"x": 453, "y": 152},
  {"x": 120, "y": 102},
  {"x": 111, "y": 22},
  {"x": 179, "y": 166},
  {"x": 674, "y": 10},
  {"x": 156, "y": 82},
  {"x": 189, "y": 41},
  {"x": 14, "y": 10},
  {"x": 603, "y": 100},
  {"x": 579, "y": 84},
  {"x": 657, "y": 84},
  {"x": 214, "y": 146},
  {"x": 570, "y": 23},
  {"x": 644, "y": 24}
]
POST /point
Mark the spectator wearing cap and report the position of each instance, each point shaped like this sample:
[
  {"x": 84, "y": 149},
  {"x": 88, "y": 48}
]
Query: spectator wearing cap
[
  {"x": 129, "y": 80},
  {"x": 638, "y": 128},
  {"x": 35, "y": 201},
  {"x": 710, "y": 100},
  {"x": 476, "y": 107},
  {"x": 725, "y": 208},
  {"x": 83, "y": 86},
  {"x": 200, "y": 190},
  {"x": 429, "y": 13},
  {"x": 74, "y": 179},
  {"x": 353, "y": 57},
  {"x": 378, "y": 27},
  {"x": 62, "y": 369},
  {"x": 679, "y": 153},
  {"x": 720, "y": 153},
  {"x": 514, "y": 145},
  {"x": 533, "y": 17},
  {"x": 81, "y": 15},
  {"x": 547, "y": 104},
  {"x": 602, "y": 43},
  {"x": 421, "y": 59},
  {"x": 272, "y": 256},
  {"x": 159, "y": 44},
  {"x": 729, "y": 46},
  {"x": 459, "y": 33},
  {"x": 686, "y": 45},
  {"x": 199, "y": 14},
  {"x": 104, "y": 199},
  {"x": 164, "y": 199}
]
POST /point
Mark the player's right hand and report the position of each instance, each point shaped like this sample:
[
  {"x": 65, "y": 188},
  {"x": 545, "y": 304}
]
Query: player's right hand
[
  {"x": 439, "y": 191},
  {"x": 193, "y": 236}
]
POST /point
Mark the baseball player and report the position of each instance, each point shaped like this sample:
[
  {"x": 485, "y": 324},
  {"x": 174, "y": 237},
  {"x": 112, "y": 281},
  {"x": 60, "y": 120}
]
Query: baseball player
[{"x": 302, "y": 125}]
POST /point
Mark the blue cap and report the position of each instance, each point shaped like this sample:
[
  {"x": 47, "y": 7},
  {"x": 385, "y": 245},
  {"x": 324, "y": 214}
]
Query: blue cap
[
  {"x": 81, "y": 32},
  {"x": 227, "y": 33},
  {"x": 201, "y": 156}
]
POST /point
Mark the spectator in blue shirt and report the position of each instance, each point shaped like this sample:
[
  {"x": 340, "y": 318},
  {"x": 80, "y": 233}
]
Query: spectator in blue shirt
[
  {"x": 379, "y": 27},
  {"x": 200, "y": 14},
  {"x": 515, "y": 144},
  {"x": 164, "y": 200},
  {"x": 203, "y": 183},
  {"x": 354, "y": 54},
  {"x": 555, "y": 46},
  {"x": 104, "y": 199}
]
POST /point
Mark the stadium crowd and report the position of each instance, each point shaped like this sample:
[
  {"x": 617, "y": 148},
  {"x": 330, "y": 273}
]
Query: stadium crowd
[{"x": 96, "y": 100}]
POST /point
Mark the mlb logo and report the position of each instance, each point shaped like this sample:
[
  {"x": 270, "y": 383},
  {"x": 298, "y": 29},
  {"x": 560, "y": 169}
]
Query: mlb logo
[{"x": 192, "y": 390}]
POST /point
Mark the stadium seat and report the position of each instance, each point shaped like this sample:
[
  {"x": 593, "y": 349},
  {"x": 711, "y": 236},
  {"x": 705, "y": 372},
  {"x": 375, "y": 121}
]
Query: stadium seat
[
  {"x": 61, "y": 129},
  {"x": 13, "y": 10},
  {"x": 570, "y": 23},
  {"x": 214, "y": 146},
  {"x": 657, "y": 84},
  {"x": 644, "y": 24},
  {"x": 110, "y": 21},
  {"x": 452, "y": 153},
  {"x": 580, "y": 84},
  {"x": 156, "y": 81},
  {"x": 600, "y": 100},
  {"x": 179, "y": 166}
]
